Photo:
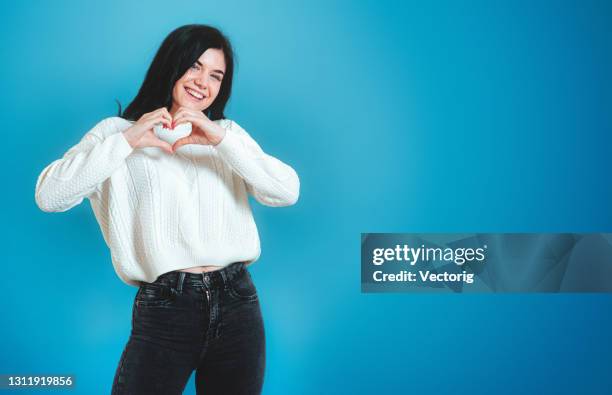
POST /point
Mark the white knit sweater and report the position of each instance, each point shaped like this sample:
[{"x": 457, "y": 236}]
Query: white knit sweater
[{"x": 160, "y": 212}]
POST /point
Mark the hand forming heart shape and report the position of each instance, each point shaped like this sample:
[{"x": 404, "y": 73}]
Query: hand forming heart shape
[
  {"x": 187, "y": 126},
  {"x": 172, "y": 135},
  {"x": 203, "y": 130}
]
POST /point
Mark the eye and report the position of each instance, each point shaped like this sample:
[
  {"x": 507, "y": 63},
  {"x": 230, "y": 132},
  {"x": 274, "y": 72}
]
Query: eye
[
  {"x": 195, "y": 66},
  {"x": 217, "y": 77}
]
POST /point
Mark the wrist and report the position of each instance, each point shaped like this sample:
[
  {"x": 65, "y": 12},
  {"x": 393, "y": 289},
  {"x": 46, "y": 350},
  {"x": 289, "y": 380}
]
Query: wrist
[
  {"x": 220, "y": 136},
  {"x": 130, "y": 137}
]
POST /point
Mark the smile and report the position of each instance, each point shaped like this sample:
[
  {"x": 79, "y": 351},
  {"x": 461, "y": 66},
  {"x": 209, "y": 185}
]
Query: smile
[{"x": 194, "y": 95}]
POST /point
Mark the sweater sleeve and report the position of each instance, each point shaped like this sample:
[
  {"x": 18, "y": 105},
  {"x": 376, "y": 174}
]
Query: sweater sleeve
[
  {"x": 65, "y": 182},
  {"x": 269, "y": 180}
]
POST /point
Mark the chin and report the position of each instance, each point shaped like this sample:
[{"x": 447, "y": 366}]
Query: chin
[{"x": 193, "y": 106}]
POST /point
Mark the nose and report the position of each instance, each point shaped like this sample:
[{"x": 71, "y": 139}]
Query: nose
[{"x": 201, "y": 82}]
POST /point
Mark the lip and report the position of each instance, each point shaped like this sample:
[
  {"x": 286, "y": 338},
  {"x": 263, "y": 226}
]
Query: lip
[{"x": 193, "y": 98}]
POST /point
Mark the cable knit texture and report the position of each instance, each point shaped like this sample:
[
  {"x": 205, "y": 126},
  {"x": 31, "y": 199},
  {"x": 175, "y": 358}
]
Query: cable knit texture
[{"x": 160, "y": 212}]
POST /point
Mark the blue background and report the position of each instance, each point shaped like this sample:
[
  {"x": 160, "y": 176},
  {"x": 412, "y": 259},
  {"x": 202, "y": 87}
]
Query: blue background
[{"x": 398, "y": 117}]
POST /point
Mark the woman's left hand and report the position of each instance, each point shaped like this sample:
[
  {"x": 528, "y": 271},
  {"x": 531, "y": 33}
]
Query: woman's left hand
[{"x": 203, "y": 130}]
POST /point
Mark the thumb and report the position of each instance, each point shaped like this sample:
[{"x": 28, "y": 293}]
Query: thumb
[
  {"x": 182, "y": 141},
  {"x": 163, "y": 145}
]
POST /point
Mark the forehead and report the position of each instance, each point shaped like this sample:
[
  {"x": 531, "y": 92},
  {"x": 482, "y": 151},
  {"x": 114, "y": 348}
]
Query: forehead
[{"x": 213, "y": 58}]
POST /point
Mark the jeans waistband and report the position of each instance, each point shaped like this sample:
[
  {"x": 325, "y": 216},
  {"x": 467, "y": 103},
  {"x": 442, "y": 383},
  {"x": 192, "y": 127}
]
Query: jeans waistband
[{"x": 216, "y": 278}]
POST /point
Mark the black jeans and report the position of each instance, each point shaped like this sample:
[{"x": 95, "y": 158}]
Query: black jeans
[{"x": 210, "y": 322}]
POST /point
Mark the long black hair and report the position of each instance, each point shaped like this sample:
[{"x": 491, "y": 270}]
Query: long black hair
[{"x": 179, "y": 51}]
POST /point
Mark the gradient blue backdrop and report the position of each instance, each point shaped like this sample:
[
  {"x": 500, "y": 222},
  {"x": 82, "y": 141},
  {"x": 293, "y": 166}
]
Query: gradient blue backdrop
[{"x": 398, "y": 117}]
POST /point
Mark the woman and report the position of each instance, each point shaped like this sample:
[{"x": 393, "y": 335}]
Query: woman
[{"x": 177, "y": 220}]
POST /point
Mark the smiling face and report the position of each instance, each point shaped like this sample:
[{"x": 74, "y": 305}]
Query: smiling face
[{"x": 198, "y": 88}]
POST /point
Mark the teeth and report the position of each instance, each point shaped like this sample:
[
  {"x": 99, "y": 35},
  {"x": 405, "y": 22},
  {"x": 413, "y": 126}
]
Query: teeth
[{"x": 194, "y": 94}]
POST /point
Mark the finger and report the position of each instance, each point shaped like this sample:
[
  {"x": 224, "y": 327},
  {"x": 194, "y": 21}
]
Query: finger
[
  {"x": 154, "y": 112},
  {"x": 183, "y": 110},
  {"x": 158, "y": 119},
  {"x": 178, "y": 113},
  {"x": 163, "y": 145},
  {"x": 157, "y": 112},
  {"x": 145, "y": 117},
  {"x": 167, "y": 114},
  {"x": 179, "y": 143},
  {"x": 176, "y": 120},
  {"x": 148, "y": 117},
  {"x": 165, "y": 120},
  {"x": 183, "y": 118},
  {"x": 182, "y": 141},
  {"x": 163, "y": 111}
]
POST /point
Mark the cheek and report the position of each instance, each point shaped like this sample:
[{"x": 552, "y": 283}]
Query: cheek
[
  {"x": 215, "y": 92},
  {"x": 177, "y": 91}
]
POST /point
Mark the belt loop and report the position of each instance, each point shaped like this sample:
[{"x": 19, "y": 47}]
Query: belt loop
[
  {"x": 206, "y": 278},
  {"x": 179, "y": 285},
  {"x": 224, "y": 276},
  {"x": 234, "y": 269},
  {"x": 240, "y": 267}
]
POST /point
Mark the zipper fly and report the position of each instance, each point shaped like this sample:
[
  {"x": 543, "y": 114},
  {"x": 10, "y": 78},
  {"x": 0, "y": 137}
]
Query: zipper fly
[{"x": 206, "y": 281}]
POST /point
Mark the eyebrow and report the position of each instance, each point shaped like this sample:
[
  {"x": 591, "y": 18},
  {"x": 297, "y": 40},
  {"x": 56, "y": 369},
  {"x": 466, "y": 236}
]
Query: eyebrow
[{"x": 218, "y": 71}]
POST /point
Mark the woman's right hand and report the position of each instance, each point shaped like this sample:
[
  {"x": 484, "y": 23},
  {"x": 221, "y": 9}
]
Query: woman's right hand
[{"x": 141, "y": 134}]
